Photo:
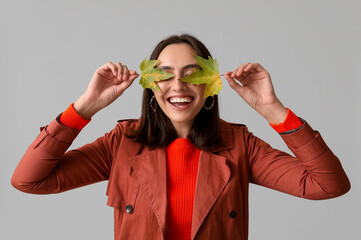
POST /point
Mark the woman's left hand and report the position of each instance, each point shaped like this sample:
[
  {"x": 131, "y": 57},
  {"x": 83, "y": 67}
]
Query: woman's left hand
[{"x": 257, "y": 91}]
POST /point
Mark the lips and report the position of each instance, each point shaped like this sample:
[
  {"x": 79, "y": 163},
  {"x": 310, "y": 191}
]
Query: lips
[{"x": 180, "y": 101}]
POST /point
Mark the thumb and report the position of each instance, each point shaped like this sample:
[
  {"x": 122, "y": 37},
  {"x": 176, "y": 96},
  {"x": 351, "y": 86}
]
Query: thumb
[
  {"x": 125, "y": 84},
  {"x": 133, "y": 77}
]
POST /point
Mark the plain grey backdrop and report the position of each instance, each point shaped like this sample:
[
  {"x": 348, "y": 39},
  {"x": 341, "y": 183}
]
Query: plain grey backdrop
[{"x": 50, "y": 49}]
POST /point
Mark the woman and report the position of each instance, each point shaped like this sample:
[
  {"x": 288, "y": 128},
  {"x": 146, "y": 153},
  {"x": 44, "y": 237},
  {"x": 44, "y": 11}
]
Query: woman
[{"x": 180, "y": 172}]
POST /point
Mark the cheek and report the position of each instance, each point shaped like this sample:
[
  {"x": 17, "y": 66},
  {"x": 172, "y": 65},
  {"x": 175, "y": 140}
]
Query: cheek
[
  {"x": 158, "y": 96},
  {"x": 203, "y": 101},
  {"x": 159, "y": 99},
  {"x": 199, "y": 89},
  {"x": 163, "y": 88}
]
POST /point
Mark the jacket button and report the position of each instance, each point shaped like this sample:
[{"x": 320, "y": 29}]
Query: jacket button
[
  {"x": 129, "y": 209},
  {"x": 233, "y": 214}
]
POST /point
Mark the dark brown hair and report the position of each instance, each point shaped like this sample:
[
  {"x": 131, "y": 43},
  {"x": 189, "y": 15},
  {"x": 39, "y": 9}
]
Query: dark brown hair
[{"x": 156, "y": 129}]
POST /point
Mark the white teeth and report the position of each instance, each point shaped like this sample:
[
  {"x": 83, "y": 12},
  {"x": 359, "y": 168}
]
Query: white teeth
[{"x": 177, "y": 99}]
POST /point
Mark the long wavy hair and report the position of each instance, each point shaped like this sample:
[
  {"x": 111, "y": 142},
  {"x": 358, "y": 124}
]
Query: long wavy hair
[{"x": 156, "y": 130}]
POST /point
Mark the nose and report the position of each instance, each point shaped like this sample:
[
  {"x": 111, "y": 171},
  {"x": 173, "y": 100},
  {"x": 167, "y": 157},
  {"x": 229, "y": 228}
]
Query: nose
[{"x": 178, "y": 85}]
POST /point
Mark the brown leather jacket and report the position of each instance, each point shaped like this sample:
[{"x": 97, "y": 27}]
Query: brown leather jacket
[{"x": 137, "y": 176}]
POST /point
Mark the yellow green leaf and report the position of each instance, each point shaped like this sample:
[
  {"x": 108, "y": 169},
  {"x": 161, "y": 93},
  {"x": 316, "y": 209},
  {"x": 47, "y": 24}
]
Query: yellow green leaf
[
  {"x": 208, "y": 74},
  {"x": 150, "y": 75}
]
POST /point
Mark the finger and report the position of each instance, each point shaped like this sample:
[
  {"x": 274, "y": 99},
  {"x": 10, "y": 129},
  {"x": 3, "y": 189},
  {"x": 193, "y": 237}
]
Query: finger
[
  {"x": 241, "y": 79},
  {"x": 125, "y": 73},
  {"x": 120, "y": 70},
  {"x": 235, "y": 71},
  {"x": 132, "y": 72},
  {"x": 104, "y": 68},
  {"x": 241, "y": 75},
  {"x": 234, "y": 74},
  {"x": 237, "y": 87},
  {"x": 133, "y": 77},
  {"x": 232, "y": 83},
  {"x": 254, "y": 67},
  {"x": 240, "y": 71},
  {"x": 111, "y": 66},
  {"x": 126, "y": 84}
]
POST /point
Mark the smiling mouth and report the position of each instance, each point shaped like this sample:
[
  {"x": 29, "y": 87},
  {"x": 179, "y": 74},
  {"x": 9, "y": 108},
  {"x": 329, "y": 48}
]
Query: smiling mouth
[{"x": 180, "y": 101}]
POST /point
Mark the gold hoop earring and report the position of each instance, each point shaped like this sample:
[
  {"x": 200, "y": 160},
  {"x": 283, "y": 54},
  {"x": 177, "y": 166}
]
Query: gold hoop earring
[
  {"x": 210, "y": 107},
  {"x": 150, "y": 103}
]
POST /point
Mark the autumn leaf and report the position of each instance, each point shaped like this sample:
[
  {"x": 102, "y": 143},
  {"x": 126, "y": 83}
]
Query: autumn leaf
[
  {"x": 150, "y": 75},
  {"x": 208, "y": 74}
]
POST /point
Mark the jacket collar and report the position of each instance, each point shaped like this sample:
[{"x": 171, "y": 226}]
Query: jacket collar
[
  {"x": 226, "y": 134},
  {"x": 212, "y": 177}
]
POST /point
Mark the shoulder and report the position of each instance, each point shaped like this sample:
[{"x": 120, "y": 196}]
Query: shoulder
[
  {"x": 119, "y": 134},
  {"x": 232, "y": 132},
  {"x": 127, "y": 120},
  {"x": 128, "y": 123},
  {"x": 121, "y": 128},
  {"x": 232, "y": 125}
]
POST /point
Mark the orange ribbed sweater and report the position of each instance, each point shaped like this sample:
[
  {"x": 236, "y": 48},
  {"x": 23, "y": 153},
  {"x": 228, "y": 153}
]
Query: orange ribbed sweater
[{"x": 182, "y": 167}]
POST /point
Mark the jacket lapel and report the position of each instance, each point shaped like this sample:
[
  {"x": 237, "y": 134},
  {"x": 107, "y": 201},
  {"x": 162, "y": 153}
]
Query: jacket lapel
[
  {"x": 213, "y": 176},
  {"x": 150, "y": 169}
]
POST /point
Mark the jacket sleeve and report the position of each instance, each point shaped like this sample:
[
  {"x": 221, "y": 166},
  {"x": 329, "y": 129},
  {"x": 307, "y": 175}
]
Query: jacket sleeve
[
  {"x": 46, "y": 167},
  {"x": 314, "y": 173}
]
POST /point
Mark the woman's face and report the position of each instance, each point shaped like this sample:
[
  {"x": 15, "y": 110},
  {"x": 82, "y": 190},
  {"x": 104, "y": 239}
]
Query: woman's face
[{"x": 180, "y": 101}]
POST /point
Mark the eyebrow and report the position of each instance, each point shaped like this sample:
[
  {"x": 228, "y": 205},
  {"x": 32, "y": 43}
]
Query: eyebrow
[{"x": 183, "y": 68}]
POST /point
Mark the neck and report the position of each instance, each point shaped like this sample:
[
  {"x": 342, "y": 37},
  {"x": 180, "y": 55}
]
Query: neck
[{"x": 182, "y": 128}]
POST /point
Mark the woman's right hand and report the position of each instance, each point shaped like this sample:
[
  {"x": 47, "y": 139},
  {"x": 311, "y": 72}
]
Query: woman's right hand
[{"x": 108, "y": 83}]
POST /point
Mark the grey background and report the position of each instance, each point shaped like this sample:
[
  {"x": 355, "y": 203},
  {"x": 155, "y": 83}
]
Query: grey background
[{"x": 50, "y": 49}]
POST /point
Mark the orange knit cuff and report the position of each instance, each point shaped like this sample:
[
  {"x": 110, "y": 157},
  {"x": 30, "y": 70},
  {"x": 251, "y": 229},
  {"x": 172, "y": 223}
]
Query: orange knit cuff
[
  {"x": 71, "y": 118},
  {"x": 290, "y": 123}
]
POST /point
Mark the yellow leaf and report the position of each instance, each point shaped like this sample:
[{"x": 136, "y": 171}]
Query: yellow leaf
[
  {"x": 208, "y": 74},
  {"x": 150, "y": 75}
]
